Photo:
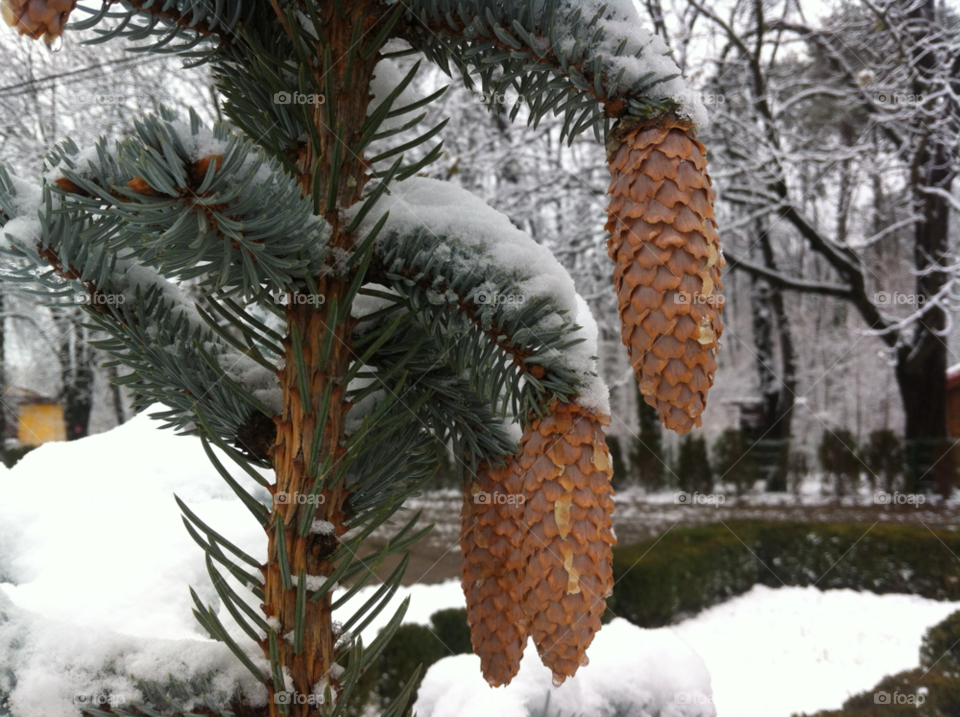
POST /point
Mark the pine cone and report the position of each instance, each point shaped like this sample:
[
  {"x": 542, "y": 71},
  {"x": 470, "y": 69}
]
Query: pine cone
[
  {"x": 666, "y": 250},
  {"x": 566, "y": 482},
  {"x": 37, "y": 18},
  {"x": 492, "y": 569}
]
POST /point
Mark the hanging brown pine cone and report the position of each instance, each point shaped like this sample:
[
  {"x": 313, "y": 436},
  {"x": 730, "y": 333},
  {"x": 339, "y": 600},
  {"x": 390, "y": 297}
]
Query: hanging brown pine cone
[
  {"x": 37, "y": 18},
  {"x": 566, "y": 481},
  {"x": 664, "y": 242},
  {"x": 491, "y": 540}
]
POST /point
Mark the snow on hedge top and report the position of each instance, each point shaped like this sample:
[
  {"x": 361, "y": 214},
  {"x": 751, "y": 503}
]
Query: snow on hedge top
[
  {"x": 621, "y": 22},
  {"x": 447, "y": 210}
]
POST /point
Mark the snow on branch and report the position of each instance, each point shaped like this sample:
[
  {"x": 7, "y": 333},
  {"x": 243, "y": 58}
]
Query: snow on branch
[
  {"x": 565, "y": 57},
  {"x": 177, "y": 356},
  {"x": 196, "y": 204},
  {"x": 479, "y": 265}
]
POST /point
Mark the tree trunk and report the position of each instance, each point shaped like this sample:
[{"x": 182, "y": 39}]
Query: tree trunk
[
  {"x": 922, "y": 359},
  {"x": 3, "y": 373},
  {"x": 76, "y": 373},
  {"x": 309, "y": 664},
  {"x": 921, "y": 368},
  {"x": 777, "y": 389}
]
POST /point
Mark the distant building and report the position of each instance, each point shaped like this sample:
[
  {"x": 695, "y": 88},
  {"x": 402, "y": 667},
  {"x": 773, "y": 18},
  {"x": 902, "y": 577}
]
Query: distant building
[{"x": 32, "y": 418}]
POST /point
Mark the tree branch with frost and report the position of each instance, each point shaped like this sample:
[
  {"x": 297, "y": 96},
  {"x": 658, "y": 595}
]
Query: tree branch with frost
[{"x": 786, "y": 282}]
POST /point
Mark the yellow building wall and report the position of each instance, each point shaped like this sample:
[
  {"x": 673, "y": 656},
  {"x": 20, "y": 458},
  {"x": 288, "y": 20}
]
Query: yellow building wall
[{"x": 40, "y": 423}]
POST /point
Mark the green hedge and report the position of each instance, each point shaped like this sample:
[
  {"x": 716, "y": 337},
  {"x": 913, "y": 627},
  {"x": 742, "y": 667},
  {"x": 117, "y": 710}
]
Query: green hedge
[
  {"x": 413, "y": 645},
  {"x": 661, "y": 581}
]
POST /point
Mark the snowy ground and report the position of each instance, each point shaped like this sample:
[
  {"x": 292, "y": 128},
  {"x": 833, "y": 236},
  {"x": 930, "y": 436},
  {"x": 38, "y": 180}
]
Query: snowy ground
[
  {"x": 770, "y": 652},
  {"x": 95, "y": 567}
]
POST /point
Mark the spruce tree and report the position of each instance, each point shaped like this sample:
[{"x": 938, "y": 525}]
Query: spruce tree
[{"x": 297, "y": 298}]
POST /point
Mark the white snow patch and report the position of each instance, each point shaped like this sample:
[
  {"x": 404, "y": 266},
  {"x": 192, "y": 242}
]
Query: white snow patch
[
  {"x": 621, "y": 21},
  {"x": 642, "y": 673},
  {"x": 323, "y": 527},
  {"x": 760, "y": 647},
  {"x": 97, "y": 566},
  {"x": 386, "y": 76}
]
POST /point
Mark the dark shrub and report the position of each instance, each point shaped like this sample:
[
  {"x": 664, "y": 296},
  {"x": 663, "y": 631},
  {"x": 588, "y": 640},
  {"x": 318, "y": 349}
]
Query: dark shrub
[
  {"x": 883, "y": 457},
  {"x": 733, "y": 461},
  {"x": 693, "y": 465},
  {"x": 838, "y": 458}
]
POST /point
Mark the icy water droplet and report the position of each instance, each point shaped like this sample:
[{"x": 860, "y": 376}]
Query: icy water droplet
[{"x": 55, "y": 45}]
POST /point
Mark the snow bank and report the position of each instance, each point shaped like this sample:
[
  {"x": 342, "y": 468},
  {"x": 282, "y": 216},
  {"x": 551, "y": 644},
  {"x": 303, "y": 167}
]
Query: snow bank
[
  {"x": 100, "y": 513},
  {"x": 95, "y": 566},
  {"x": 58, "y": 668},
  {"x": 636, "y": 672}
]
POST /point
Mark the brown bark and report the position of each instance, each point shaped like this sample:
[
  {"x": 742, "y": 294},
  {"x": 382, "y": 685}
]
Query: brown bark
[{"x": 296, "y": 425}]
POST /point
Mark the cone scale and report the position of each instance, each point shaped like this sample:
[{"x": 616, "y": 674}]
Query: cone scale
[
  {"x": 667, "y": 261},
  {"x": 37, "y": 18}
]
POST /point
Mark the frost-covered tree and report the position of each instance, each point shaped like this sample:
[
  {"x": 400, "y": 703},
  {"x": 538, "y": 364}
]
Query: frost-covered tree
[
  {"x": 299, "y": 299},
  {"x": 840, "y": 137}
]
